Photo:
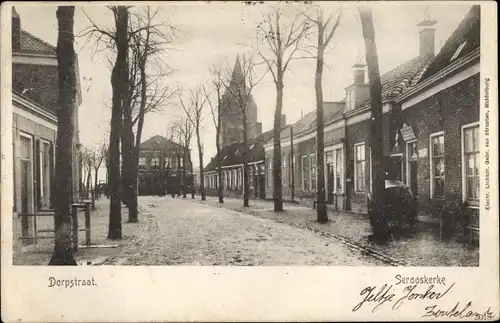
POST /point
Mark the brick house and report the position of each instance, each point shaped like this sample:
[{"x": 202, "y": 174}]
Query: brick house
[
  {"x": 232, "y": 169},
  {"x": 163, "y": 165},
  {"x": 298, "y": 162},
  {"x": 34, "y": 127},
  {"x": 438, "y": 124},
  {"x": 429, "y": 99}
]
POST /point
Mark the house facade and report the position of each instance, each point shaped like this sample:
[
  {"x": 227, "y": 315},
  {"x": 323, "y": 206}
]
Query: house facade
[
  {"x": 232, "y": 169},
  {"x": 34, "y": 130},
  {"x": 439, "y": 124},
  {"x": 164, "y": 167},
  {"x": 298, "y": 157},
  {"x": 430, "y": 127}
]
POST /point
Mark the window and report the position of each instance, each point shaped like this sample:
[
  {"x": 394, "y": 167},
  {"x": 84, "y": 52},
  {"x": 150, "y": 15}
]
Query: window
[
  {"x": 437, "y": 165},
  {"x": 350, "y": 99},
  {"x": 283, "y": 171},
  {"x": 458, "y": 51},
  {"x": 233, "y": 186},
  {"x": 240, "y": 178},
  {"x": 142, "y": 163},
  {"x": 305, "y": 173},
  {"x": 269, "y": 172},
  {"x": 471, "y": 162},
  {"x": 236, "y": 152},
  {"x": 312, "y": 166},
  {"x": 359, "y": 167}
]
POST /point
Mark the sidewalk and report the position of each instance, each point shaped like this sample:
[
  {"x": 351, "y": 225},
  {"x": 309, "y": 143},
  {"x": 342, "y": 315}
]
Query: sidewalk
[
  {"x": 101, "y": 248},
  {"x": 423, "y": 248}
]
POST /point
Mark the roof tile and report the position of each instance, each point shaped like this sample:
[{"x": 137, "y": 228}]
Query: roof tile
[{"x": 34, "y": 45}]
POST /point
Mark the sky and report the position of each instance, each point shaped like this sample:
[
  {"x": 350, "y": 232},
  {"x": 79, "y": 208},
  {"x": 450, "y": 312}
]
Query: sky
[{"x": 213, "y": 32}]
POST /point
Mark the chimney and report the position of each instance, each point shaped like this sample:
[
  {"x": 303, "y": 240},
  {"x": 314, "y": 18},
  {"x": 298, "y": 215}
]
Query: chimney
[
  {"x": 283, "y": 121},
  {"x": 16, "y": 31},
  {"x": 359, "y": 74},
  {"x": 359, "y": 91},
  {"x": 427, "y": 37},
  {"x": 258, "y": 128}
]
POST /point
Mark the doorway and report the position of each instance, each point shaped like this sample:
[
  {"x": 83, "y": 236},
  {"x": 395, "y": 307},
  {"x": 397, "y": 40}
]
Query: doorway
[
  {"x": 331, "y": 178},
  {"x": 412, "y": 166}
]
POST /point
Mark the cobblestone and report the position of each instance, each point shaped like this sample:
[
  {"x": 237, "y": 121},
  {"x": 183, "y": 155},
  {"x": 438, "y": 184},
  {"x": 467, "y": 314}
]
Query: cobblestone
[
  {"x": 423, "y": 248},
  {"x": 190, "y": 233}
]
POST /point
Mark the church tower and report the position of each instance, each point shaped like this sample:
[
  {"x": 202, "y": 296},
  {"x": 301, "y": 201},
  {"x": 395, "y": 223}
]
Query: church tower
[{"x": 232, "y": 117}]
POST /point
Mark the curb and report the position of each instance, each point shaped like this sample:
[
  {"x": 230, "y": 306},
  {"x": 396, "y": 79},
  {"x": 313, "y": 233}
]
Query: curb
[{"x": 346, "y": 241}]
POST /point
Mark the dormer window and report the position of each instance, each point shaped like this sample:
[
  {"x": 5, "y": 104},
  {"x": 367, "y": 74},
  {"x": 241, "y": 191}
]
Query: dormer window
[
  {"x": 458, "y": 51},
  {"x": 350, "y": 99},
  {"x": 236, "y": 152},
  {"x": 224, "y": 157},
  {"x": 251, "y": 147}
]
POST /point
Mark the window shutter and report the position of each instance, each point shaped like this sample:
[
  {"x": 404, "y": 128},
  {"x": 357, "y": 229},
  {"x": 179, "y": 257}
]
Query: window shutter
[
  {"x": 51, "y": 174},
  {"x": 37, "y": 177}
]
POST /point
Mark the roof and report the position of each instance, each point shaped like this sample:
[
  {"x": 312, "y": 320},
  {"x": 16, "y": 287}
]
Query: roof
[
  {"x": 395, "y": 81},
  {"x": 331, "y": 110},
  {"x": 231, "y": 154},
  {"x": 467, "y": 33},
  {"x": 34, "y": 45},
  {"x": 160, "y": 143}
]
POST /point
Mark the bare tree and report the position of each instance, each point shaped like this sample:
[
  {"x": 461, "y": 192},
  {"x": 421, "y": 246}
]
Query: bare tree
[
  {"x": 284, "y": 39},
  {"x": 147, "y": 91},
  {"x": 325, "y": 31},
  {"x": 66, "y": 57},
  {"x": 240, "y": 89},
  {"x": 376, "y": 135},
  {"x": 87, "y": 163},
  {"x": 217, "y": 110},
  {"x": 185, "y": 131},
  {"x": 98, "y": 156},
  {"x": 194, "y": 109},
  {"x": 144, "y": 89}
]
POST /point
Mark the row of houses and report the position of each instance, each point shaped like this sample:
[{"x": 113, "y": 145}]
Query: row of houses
[
  {"x": 34, "y": 126},
  {"x": 430, "y": 128}
]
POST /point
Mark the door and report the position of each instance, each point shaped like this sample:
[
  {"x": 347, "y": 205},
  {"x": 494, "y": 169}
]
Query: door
[
  {"x": 262, "y": 186},
  {"x": 331, "y": 178},
  {"x": 412, "y": 165},
  {"x": 25, "y": 196}
]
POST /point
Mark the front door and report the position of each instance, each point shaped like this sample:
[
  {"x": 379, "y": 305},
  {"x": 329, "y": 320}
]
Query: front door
[
  {"x": 331, "y": 178},
  {"x": 412, "y": 165}
]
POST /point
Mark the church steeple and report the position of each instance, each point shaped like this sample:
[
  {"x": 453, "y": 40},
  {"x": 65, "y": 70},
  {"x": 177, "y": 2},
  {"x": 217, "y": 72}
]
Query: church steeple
[
  {"x": 237, "y": 76},
  {"x": 232, "y": 119}
]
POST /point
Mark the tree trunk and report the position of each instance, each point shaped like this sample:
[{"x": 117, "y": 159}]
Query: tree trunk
[
  {"x": 277, "y": 194},
  {"x": 376, "y": 135},
  {"x": 322, "y": 216},
  {"x": 220, "y": 184},
  {"x": 246, "y": 185},
  {"x": 128, "y": 159},
  {"x": 192, "y": 174},
  {"x": 88, "y": 183},
  {"x": 120, "y": 94},
  {"x": 96, "y": 184},
  {"x": 200, "y": 154},
  {"x": 63, "y": 252}
]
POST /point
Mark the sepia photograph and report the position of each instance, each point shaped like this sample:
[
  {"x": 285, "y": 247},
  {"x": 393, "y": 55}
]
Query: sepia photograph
[{"x": 251, "y": 134}]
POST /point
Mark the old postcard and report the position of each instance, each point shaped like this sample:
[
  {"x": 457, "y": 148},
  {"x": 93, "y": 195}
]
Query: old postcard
[{"x": 249, "y": 161}]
